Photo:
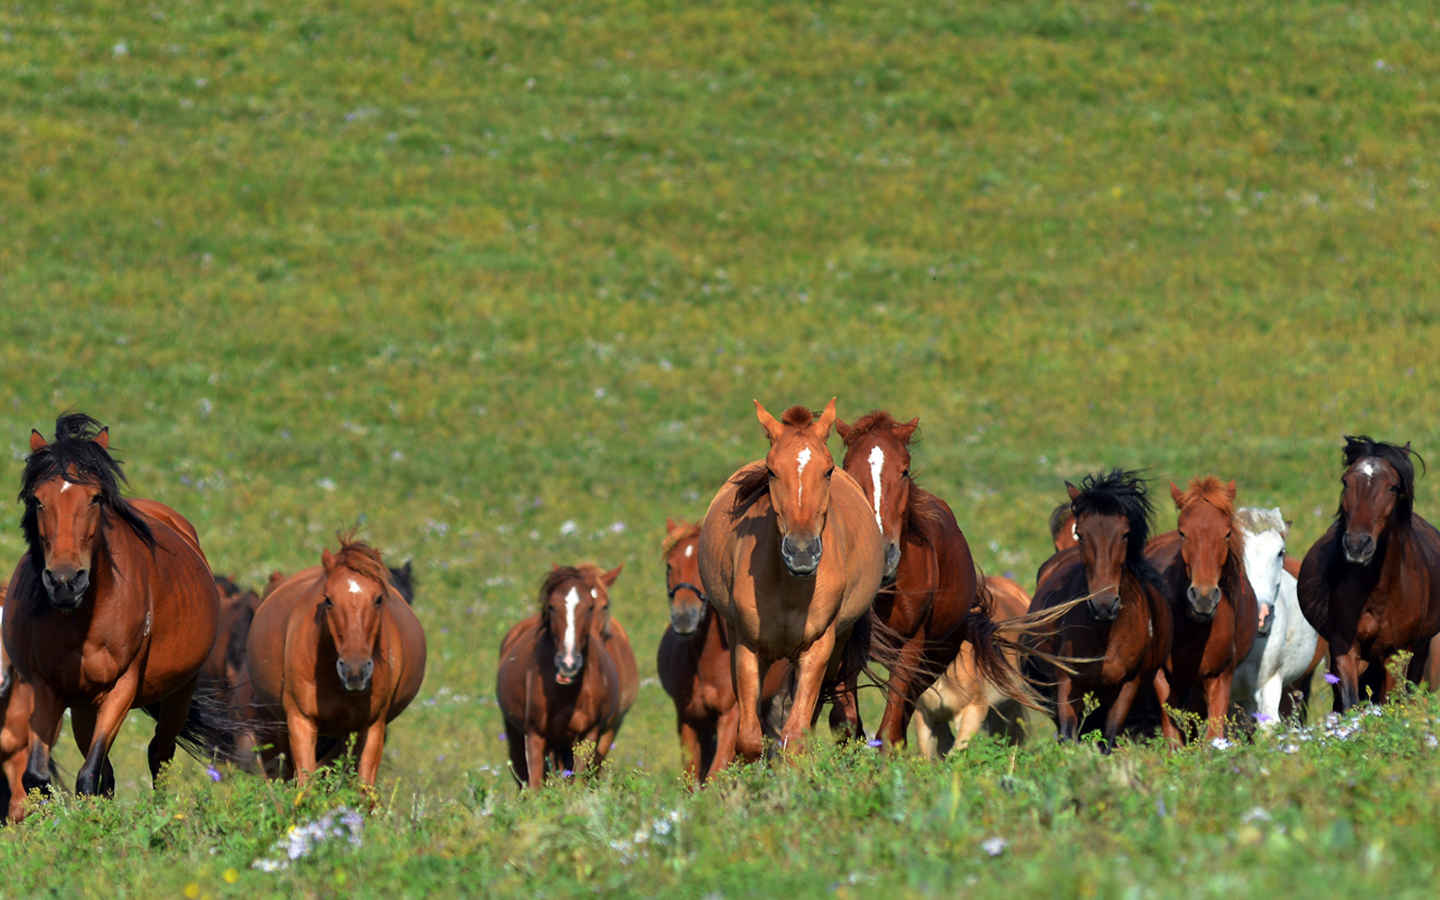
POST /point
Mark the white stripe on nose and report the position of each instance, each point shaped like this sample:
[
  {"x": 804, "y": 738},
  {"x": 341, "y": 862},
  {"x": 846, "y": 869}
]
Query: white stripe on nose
[
  {"x": 572, "y": 600},
  {"x": 802, "y": 459},
  {"x": 877, "y": 465}
]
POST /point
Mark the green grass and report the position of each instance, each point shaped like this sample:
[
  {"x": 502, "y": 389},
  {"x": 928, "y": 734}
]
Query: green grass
[{"x": 463, "y": 273}]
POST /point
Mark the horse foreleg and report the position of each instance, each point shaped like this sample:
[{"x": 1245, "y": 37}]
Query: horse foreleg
[
  {"x": 1346, "y": 667},
  {"x": 603, "y": 743},
  {"x": 1167, "y": 724},
  {"x": 535, "y": 758},
  {"x": 809, "y": 675},
  {"x": 845, "y": 714},
  {"x": 303, "y": 735},
  {"x": 103, "y": 720},
  {"x": 690, "y": 747},
  {"x": 44, "y": 732},
  {"x": 745, "y": 671},
  {"x": 372, "y": 747},
  {"x": 900, "y": 693},
  {"x": 1067, "y": 721},
  {"x": 1217, "y": 704},
  {"x": 170, "y": 715},
  {"x": 968, "y": 723},
  {"x": 925, "y": 735},
  {"x": 1119, "y": 709},
  {"x": 725, "y": 731},
  {"x": 1267, "y": 701}
]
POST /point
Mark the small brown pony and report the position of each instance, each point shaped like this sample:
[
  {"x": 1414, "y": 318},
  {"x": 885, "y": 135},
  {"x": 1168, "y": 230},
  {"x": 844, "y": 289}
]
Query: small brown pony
[
  {"x": 1371, "y": 584},
  {"x": 112, "y": 607},
  {"x": 693, "y": 661},
  {"x": 1119, "y": 637},
  {"x": 333, "y": 650},
  {"x": 1202, "y": 565},
  {"x": 567, "y": 674},
  {"x": 790, "y": 558},
  {"x": 950, "y": 712},
  {"x": 932, "y": 599}
]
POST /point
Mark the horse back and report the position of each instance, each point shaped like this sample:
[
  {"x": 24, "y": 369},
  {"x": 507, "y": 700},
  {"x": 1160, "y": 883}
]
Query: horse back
[
  {"x": 159, "y": 512},
  {"x": 953, "y": 583}
]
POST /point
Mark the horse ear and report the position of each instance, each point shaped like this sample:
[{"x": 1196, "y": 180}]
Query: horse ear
[
  {"x": 37, "y": 440},
  {"x": 609, "y": 577},
  {"x": 327, "y": 560},
  {"x": 1073, "y": 491},
  {"x": 1230, "y": 490},
  {"x": 103, "y": 438},
  {"x": 821, "y": 429},
  {"x": 842, "y": 429},
  {"x": 1177, "y": 495},
  {"x": 670, "y": 525},
  {"x": 907, "y": 430},
  {"x": 772, "y": 428}
]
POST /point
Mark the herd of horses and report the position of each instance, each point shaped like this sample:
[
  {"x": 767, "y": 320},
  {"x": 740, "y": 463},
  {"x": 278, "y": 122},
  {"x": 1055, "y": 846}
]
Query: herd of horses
[{"x": 801, "y": 577}]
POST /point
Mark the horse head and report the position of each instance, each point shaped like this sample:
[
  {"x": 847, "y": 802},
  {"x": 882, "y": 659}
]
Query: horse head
[
  {"x": 1265, "y": 531},
  {"x": 877, "y": 455},
  {"x": 1111, "y": 522},
  {"x": 355, "y": 589},
  {"x": 1062, "y": 527},
  {"x": 1207, "y": 537},
  {"x": 574, "y": 604},
  {"x": 682, "y": 576},
  {"x": 798, "y": 468},
  {"x": 1379, "y": 485}
]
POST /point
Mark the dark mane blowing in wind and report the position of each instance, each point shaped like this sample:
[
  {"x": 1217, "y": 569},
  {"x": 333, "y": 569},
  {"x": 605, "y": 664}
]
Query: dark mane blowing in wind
[
  {"x": 75, "y": 455},
  {"x": 1119, "y": 492},
  {"x": 1361, "y": 446}
]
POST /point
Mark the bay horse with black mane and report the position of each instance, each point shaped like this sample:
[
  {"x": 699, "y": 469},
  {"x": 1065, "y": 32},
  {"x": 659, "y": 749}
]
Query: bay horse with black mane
[
  {"x": 791, "y": 559},
  {"x": 113, "y": 606},
  {"x": 1117, "y": 636},
  {"x": 334, "y": 650},
  {"x": 1202, "y": 565},
  {"x": 1371, "y": 584},
  {"x": 567, "y": 674},
  {"x": 933, "y": 599}
]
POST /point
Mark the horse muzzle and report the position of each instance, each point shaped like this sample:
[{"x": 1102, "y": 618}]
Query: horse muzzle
[
  {"x": 892, "y": 561},
  {"x": 355, "y": 677},
  {"x": 65, "y": 586},
  {"x": 1200, "y": 604},
  {"x": 567, "y": 670},
  {"x": 800, "y": 555},
  {"x": 687, "y": 620},
  {"x": 1267, "y": 621},
  {"x": 1105, "y": 606},
  {"x": 1359, "y": 547}
]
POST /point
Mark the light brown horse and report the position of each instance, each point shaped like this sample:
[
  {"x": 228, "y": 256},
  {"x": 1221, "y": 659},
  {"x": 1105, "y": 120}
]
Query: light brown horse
[
  {"x": 950, "y": 712},
  {"x": 1202, "y": 564},
  {"x": 112, "y": 607},
  {"x": 567, "y": 674},
  {"x": 334, "y": 650},
  {"x": 693, "y": 661},
  {"x": 931, "y": 600},
  {"x": 790, "y": 558}
]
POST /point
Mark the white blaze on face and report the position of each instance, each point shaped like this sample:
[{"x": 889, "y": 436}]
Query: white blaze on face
[
  {"x": 877, "y": 465},
  {"x": 353, "y": 585},
  {"x": 1368, "y": 468},
  {"x": 572, "y": 600},
  {"x": 64, "y": 486},
  {"x": 1074, "y": 532},
  {"x": 689, "y": 550},
  {"x": 802, "y": 459}
]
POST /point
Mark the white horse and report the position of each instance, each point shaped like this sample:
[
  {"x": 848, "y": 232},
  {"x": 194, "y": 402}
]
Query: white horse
[{"x": 1284, "y": 648}]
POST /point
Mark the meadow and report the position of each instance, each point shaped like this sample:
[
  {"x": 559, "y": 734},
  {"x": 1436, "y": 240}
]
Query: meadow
[{"x": 497, "y": 283}]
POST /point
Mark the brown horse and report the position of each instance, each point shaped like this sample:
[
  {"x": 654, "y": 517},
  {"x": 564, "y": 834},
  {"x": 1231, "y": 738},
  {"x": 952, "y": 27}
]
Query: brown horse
[
  {"x": 16, "y": 702},
  {"x": 1062, "y": 527},
  {"x": 693, "y": 661},
  {"x": 1371, "y": 584},
  {"x": 334, "y": 650},
  {"x": 1202, "y": 565},
  {"x": 225, "y": 668},
  {"x": 567, "y": 674},
  {"x": 112, "y": 607},
  {"x": 1119, "y": 637},
  {"x": 790, "y": 558},
  {"x": 931, "y": 601},
  {"x": 962, "y": 699}
]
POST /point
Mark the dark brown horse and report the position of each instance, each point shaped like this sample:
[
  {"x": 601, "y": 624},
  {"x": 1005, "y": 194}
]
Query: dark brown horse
[
  {"x": 334, "y": 650},
  {"x": 567, "y": 674},
  {"x": 225, "y": 668},
  {"x": 1202, "y": 565},
  {"x": 931, "y": 602},
  {"x": 1371, "y": 584},
  {"x": 112, "y": 607},
  {"x": 693, "y": 661},
  {"x": 790, "y": 558},
  {"x": 1117, "y": 639}
]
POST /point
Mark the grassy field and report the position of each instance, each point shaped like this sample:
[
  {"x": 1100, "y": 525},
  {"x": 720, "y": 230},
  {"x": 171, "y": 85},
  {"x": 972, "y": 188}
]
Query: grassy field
[{"x": 498, "y": 282}]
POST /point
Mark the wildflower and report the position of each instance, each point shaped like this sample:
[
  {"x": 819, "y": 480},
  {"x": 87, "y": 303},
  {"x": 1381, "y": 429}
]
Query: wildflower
[
  {"x": 1332, "y": 678},
  {"x": 994, "y": 845},
  {"x": 568, "y": 527},
  {"x": 1431, "y": 741},
  {"x": 1221, "y": 744},
  {"x": 1256, "y": 814},
  {"x": 874, "y": 742},
  {"x": 567, "y": 773},
  {"x": 1291, "y": 748},
  {"x": 1263, "y": 718},
  {"x": 213, "y": 772},
  {"x": 661, "y": 827}
]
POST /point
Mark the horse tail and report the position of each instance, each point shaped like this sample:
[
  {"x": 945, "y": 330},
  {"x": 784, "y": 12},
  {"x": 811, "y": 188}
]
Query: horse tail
[
  {"x": 1007, "y": 650},
  {"x": 212, "y": 731}
]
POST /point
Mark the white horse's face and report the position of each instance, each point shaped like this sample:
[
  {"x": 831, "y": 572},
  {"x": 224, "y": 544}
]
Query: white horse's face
[{"x": 1264, "y": 563}]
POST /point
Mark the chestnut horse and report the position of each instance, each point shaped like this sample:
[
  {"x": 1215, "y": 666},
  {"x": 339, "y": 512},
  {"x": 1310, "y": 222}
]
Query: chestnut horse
[
  {"x": 567, "y": 674},
  {"x": 790, "y": 558},
  {"x": 1202, "y": 565},
  {"x": 1062, "y": 527},
  {"x": 1371, "y": 584},
  {"x": 334, "y": 650},
  {"x": 931, "y": 600},
  {"x": 693, "y": 661},
  {"x": 962, "y": 699},
  {"x": 113, "y": 606},
  {"x": 1118, "y": 638}
]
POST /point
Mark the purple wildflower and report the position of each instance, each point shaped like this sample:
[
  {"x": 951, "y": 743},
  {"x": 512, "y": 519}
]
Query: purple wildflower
[
  {"x": 213, "y": 772},
  {"x": 874, "y": 742},
  {"x": 1331, "y": 678},
  {"x": 568, "y": 773}
]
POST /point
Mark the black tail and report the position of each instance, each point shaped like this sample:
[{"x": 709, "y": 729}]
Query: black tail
[{"x": 213, "y": 727}]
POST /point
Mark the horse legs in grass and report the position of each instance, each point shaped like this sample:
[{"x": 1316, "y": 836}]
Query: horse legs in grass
[
  {"x": 726, "y": 727},
  {"x": 170, "y": 715},
  {"x": 372, "y": 747},
  {"x": 809, "y": 675},
  {"x": 515, "y": 738},
  {"x": 968, "y": 723},
  {"x": 1167, "y": 724},
  {"x": 534, "y": 758},
  {"x": 1269, "y": 701},
  {"x": 690, "y": 746},
  {"x": 745, "y": 670},
  {"x": 303, "y": 735},
  {"x": 95, "y": 729},
  {"x": 1067, "y": 720},
  {"x": 1119, "y": 709},
  {"x": 1346, "y": 667},
  {"x": 1217, "y": 704},
  {"x": 925, "y": 736},
  {"x": 900, "y": 693}
]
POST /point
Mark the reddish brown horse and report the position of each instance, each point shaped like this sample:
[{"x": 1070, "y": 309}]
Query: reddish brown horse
[
  {"x": 16, "y": 703},
  {"x": 1062, "y": 527},
  {"x": 1202, "y": 564},
  {"x": 112, "y": 607},
  {"x": 1371, "y": 584},
  {"x": 567, "y": 674},
  {"x": 1119, "y": 636},
  {"x": 334, "y": 650},
  {"x": 225, "y": 667},
  {"x": 932, "y": 601},
  {"x": 790, "y": 558},
  {"x": 693, "y": 661}
]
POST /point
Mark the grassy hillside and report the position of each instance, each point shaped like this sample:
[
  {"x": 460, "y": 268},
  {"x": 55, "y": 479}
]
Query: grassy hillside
[{"x": 499, "y": 282}]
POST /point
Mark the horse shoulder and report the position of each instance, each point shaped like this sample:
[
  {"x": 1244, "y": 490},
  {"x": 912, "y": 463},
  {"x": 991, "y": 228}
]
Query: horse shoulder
[
  {"x": 1247, "y": 607},
  {"x": 627, "y": 673},
  {"x": 155, "y": 511}
]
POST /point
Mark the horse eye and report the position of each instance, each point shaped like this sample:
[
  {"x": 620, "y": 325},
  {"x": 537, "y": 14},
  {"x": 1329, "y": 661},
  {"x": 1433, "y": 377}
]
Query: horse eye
[
  {"x": 905, "y": 474},
  {"x": 1181, "y": 533},
  {"x": 830, "y": 471},
  {"x": 770, "y": 473},
  {"x": 95, "y": 500},
  {"x": 379, "y": 598}
]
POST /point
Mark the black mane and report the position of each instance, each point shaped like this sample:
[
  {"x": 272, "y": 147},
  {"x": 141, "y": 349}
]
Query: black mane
[
  {"x": 75, "y": 455},
  {"x": 1119, "y": 493},
  {"x": 1360, "y": 446}
]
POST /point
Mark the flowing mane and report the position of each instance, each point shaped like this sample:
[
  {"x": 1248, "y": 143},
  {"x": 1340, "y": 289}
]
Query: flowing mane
[
  {"x": 562, "y": 574},
  {"x": 1215, "y": 492},
  {"x": 1255, "y": 520},
  {"x": 1360, "y": 446},
  {"x": 1119, "y": 492},
  {"x": 684, "y": 532},
  {"x": 76, "y": 456},
  {"x": 751, "y": 483}
]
